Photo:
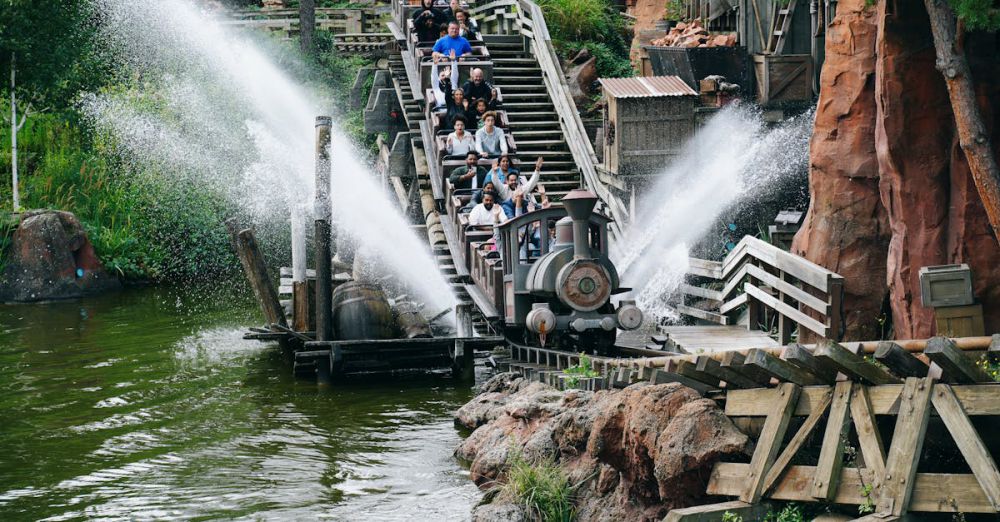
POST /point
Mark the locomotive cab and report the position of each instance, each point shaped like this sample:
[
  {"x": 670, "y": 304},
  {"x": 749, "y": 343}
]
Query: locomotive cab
[{"x": 558, "y": 278}]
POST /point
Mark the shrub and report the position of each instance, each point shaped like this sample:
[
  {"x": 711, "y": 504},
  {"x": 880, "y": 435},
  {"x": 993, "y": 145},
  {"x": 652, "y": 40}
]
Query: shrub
[
  {"x": 592, "y": 24},
  {"x": 542, "y": 488}
]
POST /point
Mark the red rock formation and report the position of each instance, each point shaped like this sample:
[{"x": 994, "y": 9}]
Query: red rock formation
[
  {"x": 638, "y": 452},
  {"x": 845, "y": 229},
  {"x": 885, "y": 91}
]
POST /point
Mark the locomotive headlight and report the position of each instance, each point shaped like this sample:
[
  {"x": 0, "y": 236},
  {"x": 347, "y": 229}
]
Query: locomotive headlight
[
  {"x": 584, "y": 285},
  {"x": 629, "y": 316}
]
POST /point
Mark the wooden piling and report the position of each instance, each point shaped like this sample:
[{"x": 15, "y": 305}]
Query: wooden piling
[
  {"x": 322, "y": 211},
  {"x": 256, "y": 272}
]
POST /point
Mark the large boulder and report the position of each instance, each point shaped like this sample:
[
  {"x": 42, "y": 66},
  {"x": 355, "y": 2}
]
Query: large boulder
[
  {"x": 50, "y": 257},
  {"x": 637, "y": 452},
  {"x": 581, "y": 73},
  {"x": 845, "y": 229}
]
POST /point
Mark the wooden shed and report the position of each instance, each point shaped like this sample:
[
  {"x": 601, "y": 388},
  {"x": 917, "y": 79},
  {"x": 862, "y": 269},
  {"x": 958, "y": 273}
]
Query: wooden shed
[{"x": 646, "y": 122}]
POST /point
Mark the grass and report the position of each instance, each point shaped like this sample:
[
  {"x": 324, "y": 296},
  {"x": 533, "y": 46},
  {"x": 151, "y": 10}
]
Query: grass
[
  {"x": 543, "y": 488},
  {"x": 584, "y": 369}
]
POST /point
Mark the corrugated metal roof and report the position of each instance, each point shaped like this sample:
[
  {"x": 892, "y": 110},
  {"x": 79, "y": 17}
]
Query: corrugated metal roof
[{"x": 646, "y": 87}]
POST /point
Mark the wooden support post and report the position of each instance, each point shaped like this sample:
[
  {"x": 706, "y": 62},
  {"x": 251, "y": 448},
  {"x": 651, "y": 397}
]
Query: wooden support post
[
  {"x": 715, "y": 512},
  {"x": 968, "y": 441},
  {"x": 800, "y": 356},
  {"x": 907, "y": 445},
  {"x": 690, "y": 370},
  {"x": 304, "y": 306},
  {"x": 785, "y": 324},
  {"x": 323, "y": 239},
  {"x": 850, "y": 364},
  {"x": 770, "y": 441},
  {"x": 779, "y": 369},
  {"x": 869, "y": 438},
  {"x": 256, "y": 272},
  {"x": 900, "y": 361},
  {"x": 783, "y": 460},
  {"x": 957, "y": 366},
  {"x": 735, "y": 362},
  {"x": 831, "y": 456}
]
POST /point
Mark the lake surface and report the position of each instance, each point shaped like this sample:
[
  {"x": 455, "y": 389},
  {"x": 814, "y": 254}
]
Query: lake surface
[{"x": 148, "y": 404}]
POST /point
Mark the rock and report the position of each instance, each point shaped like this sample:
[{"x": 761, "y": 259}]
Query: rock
[
  {"x": 637, "y": 452},
  {"x": 500, "y": 513},
  {"x": 50, "y": 257},
  {"x": 580, "y": 78},
  {"x": 846, "y": 229},
  {"x": 581, "y": 57}
]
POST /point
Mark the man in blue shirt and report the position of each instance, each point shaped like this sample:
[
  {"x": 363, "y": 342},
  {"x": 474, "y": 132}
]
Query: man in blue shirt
[{"x": 452, "y": 44}]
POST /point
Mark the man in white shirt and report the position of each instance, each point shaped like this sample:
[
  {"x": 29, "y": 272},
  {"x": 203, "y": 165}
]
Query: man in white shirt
[{"x": 487, "y": 213}]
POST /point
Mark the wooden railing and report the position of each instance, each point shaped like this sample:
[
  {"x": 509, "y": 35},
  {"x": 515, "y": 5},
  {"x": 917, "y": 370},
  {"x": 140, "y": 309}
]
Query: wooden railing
[
  {"x": 337, "y": 21},
  {"x": 772, "y": 284},
  {"x": 524, "y": 17}
]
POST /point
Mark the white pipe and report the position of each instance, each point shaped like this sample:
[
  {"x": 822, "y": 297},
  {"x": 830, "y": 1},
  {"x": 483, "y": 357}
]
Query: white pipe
[{"x": 298, "y": 224}]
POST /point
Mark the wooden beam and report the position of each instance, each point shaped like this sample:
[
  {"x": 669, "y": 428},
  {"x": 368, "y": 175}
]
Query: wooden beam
[
  {"x": 690, "y": 371},
  {"x": 869, "y": 438},
  {"x": 735, "y": 362},
  {"x": 968, "y": 441},
  {"x": 800, "y": 356},
  {"x": 256, "y": 273},
  {"x": 976, "y": 399},
  {"x": 900, "y": 361},
  {"x": 732, "y": 378},
  {"x": 769, "y": 441},
  {"x": 779, "y": 369},
  {"x": 932, "y": 492},
  {"x": 831, "y": 456},
  {"x": 783, "y": 460},
  {"x": 907, "y": 446},
  {"x": 957, "y": 366},
  {"x": 850, "y": 364},
  {"x": 662, "y": 377},
  {"x": 715, "y": 512}
]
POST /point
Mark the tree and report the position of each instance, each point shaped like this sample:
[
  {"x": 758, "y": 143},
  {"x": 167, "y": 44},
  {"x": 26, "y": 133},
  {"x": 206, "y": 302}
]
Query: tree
[
  {"x": 307, "y": 24},
  {"x": 952, "y": 62},
  {"x": 47, "y": 48}
]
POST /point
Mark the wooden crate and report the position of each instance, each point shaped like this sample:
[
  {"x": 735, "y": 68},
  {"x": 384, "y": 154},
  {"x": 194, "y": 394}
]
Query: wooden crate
[
  {"x": 959, "y": 321},
  {"x": 783, "y": 78}
]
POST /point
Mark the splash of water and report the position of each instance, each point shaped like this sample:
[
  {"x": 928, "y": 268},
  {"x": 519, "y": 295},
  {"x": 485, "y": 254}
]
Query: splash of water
[
  {"x": 209, "y": 106},
  {"x": 733, "y": 159}
]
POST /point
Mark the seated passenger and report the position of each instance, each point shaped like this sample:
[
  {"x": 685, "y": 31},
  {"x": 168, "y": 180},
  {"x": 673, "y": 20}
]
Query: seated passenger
[
  {"x": 475, "y": 116},
  {"x": 490, "y": 140},
  {"x": 457, "y": 108},
  {"x": 466, "y": 25},
  {"x": 460, "y": 143},
  {"x": 477, "y": 88},
  {"x": 442, "y": 84},
  {"x": 427, "y": 21},
  {"x": 487, "y": 213},
  {"x": 477, "y": 197},
  {"x": 514, "y": 183},
  {"x": 470, "y": 175},
  {"x": 453, "y": 7},
  {"x": 452, "y": 42}
]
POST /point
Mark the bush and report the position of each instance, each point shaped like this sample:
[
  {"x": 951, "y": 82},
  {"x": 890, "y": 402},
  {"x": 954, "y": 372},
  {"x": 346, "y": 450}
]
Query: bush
[
  {"x": 542, "y": 488},
  {"x": 592, "y": 24}
]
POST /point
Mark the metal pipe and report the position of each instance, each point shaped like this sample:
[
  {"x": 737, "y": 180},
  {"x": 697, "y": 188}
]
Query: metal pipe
[{"x": 322, "y": 211}]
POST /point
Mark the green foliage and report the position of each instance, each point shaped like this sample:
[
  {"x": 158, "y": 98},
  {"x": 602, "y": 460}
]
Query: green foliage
[
  {"x": 990, "y": 366},
  {"x": 868, "y": 506},
  {"x": 676, "y": 10},
  {"x": 585, "y": 369},
  {"x": 591, "y": 24},
  {"x": 790, "y": 513},
  {"x": 729, "y": 516},
  {"x": 978, "y": 14},
  {"x": 543, "y": 488}
]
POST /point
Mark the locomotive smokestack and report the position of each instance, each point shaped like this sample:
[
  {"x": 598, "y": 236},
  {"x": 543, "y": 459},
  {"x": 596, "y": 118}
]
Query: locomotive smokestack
[{"x": 579, "y": 203}]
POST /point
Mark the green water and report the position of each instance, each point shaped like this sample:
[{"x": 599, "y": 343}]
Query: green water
[{"x": 148, "y": 404}]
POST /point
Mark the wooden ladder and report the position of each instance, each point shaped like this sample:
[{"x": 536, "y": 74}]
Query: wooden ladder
[{"x": 780, "y": 27}]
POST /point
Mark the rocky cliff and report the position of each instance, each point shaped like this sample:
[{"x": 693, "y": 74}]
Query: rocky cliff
[
  {"x": 891, "y": 190},
  {"x": 636, "y": 453}
]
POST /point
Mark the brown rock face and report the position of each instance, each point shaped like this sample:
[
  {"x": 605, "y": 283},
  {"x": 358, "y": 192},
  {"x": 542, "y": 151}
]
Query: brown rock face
[
  {"x": 891, "y": 189},
  {"x": 845, "y": 229},
  {"x": 50, "y": 257},
  {"x": 639, "y": 452}
]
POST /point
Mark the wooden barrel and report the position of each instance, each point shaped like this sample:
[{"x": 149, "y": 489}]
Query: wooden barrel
[
  {"x": 361, "y": 311},
  {"x": 411, "y": 322}
]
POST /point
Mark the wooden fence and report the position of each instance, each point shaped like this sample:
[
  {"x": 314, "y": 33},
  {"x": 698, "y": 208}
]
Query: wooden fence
[
  {"x": 336, "y": 21},
  {"x": 773, "y": 285}
]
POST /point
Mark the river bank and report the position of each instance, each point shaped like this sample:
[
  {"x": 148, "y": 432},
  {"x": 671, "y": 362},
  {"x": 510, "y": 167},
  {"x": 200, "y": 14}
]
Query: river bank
[
  {"x": 147, "y": 403},
  {"x": 629, "y": 454}
]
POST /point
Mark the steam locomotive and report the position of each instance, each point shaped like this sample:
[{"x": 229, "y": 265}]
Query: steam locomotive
[{"x": 549, "y": 275}]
